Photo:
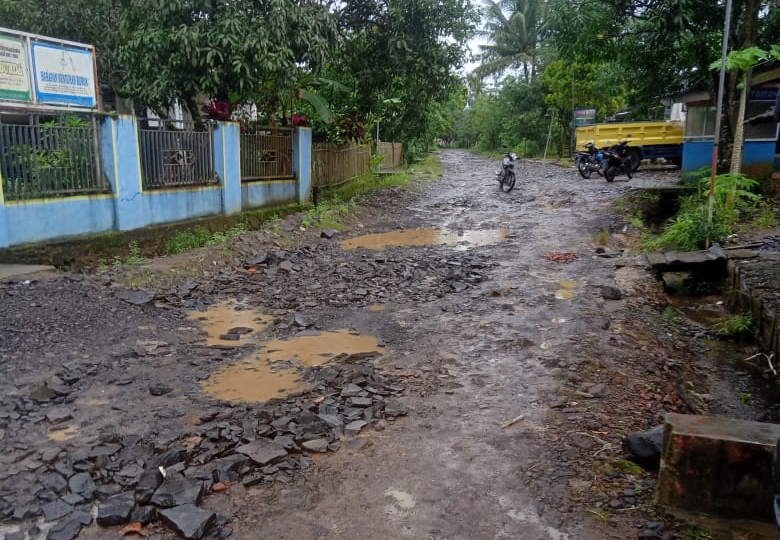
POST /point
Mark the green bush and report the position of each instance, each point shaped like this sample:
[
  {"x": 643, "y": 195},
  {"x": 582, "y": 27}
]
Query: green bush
[{"x": 735, "y": 202}]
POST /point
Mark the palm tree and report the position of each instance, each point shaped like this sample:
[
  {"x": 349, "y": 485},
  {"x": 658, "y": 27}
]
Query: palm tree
[{"x": 513, "y": 28}]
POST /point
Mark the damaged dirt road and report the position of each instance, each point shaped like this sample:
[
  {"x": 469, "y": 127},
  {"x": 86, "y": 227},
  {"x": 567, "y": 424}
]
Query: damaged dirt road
[{"x": 460, "y": 363}]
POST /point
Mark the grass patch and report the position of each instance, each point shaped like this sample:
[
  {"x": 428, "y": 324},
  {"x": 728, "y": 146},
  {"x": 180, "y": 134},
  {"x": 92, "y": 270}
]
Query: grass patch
[
  {"x": 335, "y": 203},
  {"x": 421, "y": 173},
  {"x": 671, "y": 315},
  {"x": 599, "y": 514},
  {"x": 200, "y": 236},
  {"x": 327, "y": 214},
  {"x": 601, "y": 238},
  {"x": 695, "y": 533},
  {"x": 626, "y": 466}
]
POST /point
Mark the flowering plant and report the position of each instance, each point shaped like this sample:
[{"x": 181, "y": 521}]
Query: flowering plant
[
  {"x": 300, "y": 120},
  {"x": 218, "y": 110}
]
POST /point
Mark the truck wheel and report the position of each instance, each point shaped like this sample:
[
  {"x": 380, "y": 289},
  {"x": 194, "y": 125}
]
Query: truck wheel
[{"x": 636, "y": 157}]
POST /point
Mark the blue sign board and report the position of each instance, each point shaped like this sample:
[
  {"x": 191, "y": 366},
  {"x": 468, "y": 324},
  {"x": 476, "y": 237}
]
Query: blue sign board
[
  {"x": 766, "y": 93},
  {"x": 63, "y": 75}
]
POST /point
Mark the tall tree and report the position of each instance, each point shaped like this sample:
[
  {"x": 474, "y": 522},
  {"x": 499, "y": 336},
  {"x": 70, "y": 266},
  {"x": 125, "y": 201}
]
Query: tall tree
[
  {"x": 224, "y": 49},
  {"x": 408, "y": 50},
  {"x": 513, "y": 28}
]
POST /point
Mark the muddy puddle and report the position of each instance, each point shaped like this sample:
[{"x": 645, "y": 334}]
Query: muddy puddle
[
  {"x": 566, "y": 292},
  {"x": 426, "y": 237},
  {"x": 275, "y": 370},
  {"x": 747, "y": 373},
  {"x": 226, "y": 321},
  {"x": 66, "y": 433},
  {"x": 705, "y": 310}
]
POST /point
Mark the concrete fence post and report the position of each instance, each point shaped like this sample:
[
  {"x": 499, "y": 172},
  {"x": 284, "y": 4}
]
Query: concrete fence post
[
  {"x": 122, "y": 164},
  {"x": 302, "y": 163},
  {"x": 4, "y": 240},
  {"x": 227, "y": 164}
]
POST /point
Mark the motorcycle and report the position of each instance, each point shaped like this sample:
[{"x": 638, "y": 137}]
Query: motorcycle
[
  {"x": 617, "y": 161},
  {"x": 506, "y": 176},
  {"x": 590, "y": 161}
]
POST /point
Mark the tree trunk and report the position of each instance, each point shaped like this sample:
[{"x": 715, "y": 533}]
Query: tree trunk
[{"x": 739, "y": 128}]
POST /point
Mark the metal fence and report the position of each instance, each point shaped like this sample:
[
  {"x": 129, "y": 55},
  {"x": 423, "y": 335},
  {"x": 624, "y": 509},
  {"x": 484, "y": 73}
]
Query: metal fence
[
  {"x": 175, "y": 154},
  {"x": 332, "y": 165},
  {"x": 50, "y": 156},
  {"x": 267, "y": 154}
]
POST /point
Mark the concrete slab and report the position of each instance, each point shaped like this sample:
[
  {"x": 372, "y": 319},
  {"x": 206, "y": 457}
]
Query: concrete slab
[
  {"x": 15, "y": 270},
  {"x": 718, "y": 466}
]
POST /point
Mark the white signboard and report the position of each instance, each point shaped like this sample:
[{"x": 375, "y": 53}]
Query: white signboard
[
  {"x": 14, "y": 79},
  {"x": 63, "y": 75}
]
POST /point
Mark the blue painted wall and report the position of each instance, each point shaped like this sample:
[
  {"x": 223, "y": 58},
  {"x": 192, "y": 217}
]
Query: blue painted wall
[
  {"x": 180, "y": 204},
  {"x": 758, "y": 158},
  {"x": 4, "y": 241},
  {"x": 130, "y": 211},
  {"x": 228, "y": 164},
  {"x": 44, "y": 219},
  {"x": 696, "y": 154},
  {"x": 129, "y": 206},
  {"x": 302, "y": 163},
  {"x": 262, "y": 193}
]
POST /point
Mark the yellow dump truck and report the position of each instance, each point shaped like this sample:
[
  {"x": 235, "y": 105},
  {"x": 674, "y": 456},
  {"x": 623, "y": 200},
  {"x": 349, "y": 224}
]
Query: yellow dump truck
[{"x": 646, "y": 140}]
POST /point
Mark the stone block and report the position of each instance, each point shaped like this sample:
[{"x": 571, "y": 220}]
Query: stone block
[{"x": 719, "y": 466}]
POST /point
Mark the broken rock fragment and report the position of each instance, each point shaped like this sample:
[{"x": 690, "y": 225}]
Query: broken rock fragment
[
  {"x": 262, "y": 451},
  {"x": 188, "y": 520}
]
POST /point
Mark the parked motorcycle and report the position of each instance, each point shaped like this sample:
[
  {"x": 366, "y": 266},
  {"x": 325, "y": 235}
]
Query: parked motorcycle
[
  {"x": 617, "y": 160},
  {"x": 590, "y": 161},
  {"x": 506, "y": 176}
]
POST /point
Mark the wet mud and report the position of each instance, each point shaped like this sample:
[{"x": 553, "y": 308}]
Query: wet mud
[{"x": 488, "y": 385}]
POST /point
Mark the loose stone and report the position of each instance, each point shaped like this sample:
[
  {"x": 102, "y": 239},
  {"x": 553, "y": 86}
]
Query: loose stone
[
  {"x": 116, "y": 510},
  {"x": 188, "y": 520}
]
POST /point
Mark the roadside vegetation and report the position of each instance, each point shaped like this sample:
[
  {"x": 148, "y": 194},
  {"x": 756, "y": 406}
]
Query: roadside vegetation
[{"x": 736, "y": 205}]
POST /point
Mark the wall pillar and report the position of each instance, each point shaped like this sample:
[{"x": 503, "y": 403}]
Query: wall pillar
[
  {"x": 302, "y": 163},
  {"x": 227, "y": 164},
  {"x": 4, "y": 240},
  {"x": 122, "y": 164}
]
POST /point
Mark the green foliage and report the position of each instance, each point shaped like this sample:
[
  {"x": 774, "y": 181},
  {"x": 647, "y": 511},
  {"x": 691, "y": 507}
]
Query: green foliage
[
  {"x": 745, "y": 397},
  {"x": 406, "y": 50},
  {"x": 226, "y": 50},
  {"x": 133, "y": 257},
  {"x": 744, "y": 59},
  {"x": 734, "y": 201},
  {"x": 670, "y": 314},
  {"x": 135, "y": 254},
  {"x": 198, "y": 237},
  {"x": 512, "y": 120},
  {"x": 327, "y": 214},
  {"x": 513, "y": 28},
  {"x": 738, "y": 326},
  {"x": 55, "y": 163},
  {"x": 695, "y": 533}
]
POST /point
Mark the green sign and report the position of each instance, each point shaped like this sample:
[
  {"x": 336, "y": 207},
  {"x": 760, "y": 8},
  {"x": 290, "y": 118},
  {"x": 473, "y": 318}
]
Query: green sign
[
  {"x": 584, "y": 117},
  {"x": 14, "y": 78}
]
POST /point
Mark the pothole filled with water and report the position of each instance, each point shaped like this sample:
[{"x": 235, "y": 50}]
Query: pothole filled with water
[
  {"x": 426, "y": 237},
  {"x": 225, "y": 323},
  {"x": 566, "y": 292},
  {"x": 275, "y": 371}
]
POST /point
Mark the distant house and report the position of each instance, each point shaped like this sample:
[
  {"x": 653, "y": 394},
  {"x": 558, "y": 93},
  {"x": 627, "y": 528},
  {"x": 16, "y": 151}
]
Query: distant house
[{"x": 761, "y": 153}]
